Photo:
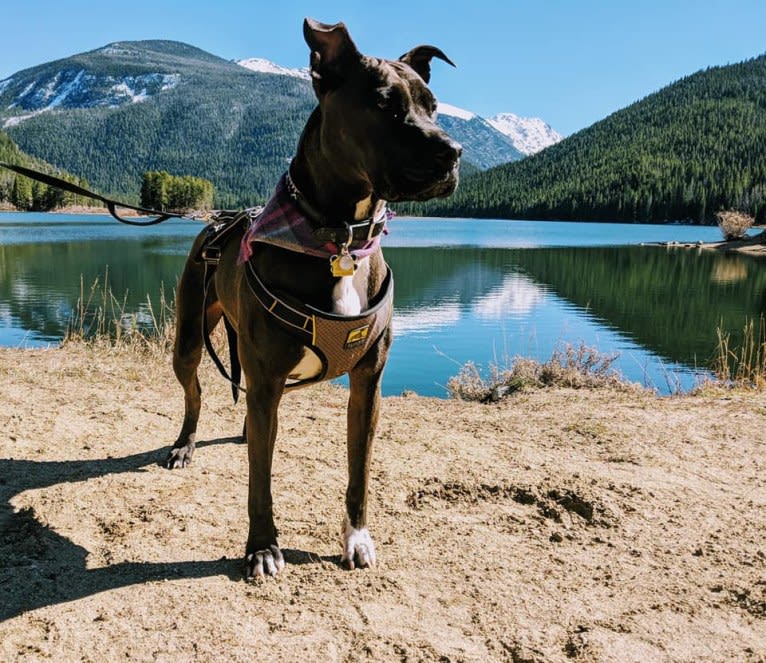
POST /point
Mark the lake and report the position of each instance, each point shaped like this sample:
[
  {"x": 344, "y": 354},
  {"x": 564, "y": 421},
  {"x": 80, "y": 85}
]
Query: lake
[{"x": 466, "y": 290}]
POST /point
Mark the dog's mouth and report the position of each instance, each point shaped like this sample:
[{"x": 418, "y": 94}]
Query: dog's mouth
[{"x": 418, "y": 186}]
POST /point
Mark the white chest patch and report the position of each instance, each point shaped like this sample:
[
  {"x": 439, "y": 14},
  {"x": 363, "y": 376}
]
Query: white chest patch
[{"x": 349, "y": 296}]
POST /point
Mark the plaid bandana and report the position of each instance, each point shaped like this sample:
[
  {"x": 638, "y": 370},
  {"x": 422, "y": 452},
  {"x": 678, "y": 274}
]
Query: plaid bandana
[{"x": 281, "y": 223}]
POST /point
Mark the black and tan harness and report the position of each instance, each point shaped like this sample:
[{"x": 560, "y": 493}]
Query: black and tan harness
[{"x": 338, "y": 341}]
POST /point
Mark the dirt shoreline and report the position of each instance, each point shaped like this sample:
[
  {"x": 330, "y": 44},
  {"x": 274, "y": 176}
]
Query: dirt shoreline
[
  {"x": 557, "y": 525},
  {"x": 753, "y": 246}
]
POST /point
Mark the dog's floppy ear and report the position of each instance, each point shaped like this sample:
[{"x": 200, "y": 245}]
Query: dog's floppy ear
[
  {"x": 332, "y": 52},
  {"x": 419, "y": 58}
]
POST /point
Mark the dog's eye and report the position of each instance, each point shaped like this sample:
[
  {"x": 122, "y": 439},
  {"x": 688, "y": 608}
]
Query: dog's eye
[
  {"x": 394, "y": 112},
  {"x": 389, "y": 109}
]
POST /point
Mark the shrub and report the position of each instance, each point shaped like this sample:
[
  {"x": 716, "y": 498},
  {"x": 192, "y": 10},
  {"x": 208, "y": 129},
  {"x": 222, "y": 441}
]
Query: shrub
[
  {"x": 733, "y": 224},
  {"x": 569, "y": 366}
]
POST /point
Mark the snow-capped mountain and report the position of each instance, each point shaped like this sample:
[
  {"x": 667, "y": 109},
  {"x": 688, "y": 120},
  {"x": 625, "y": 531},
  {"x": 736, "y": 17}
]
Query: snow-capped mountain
[
  {"x": 109, "y": 77},
  {"x": 264, "y": 66},
  {"x": 454, "y": 111},
  {"x": 80, "y": 89},
  {"x": 528, "y": 134},
  {"x": 483, "y": 145}
]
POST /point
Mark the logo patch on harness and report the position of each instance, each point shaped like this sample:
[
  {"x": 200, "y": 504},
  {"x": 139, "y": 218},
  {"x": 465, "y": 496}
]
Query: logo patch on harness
[{"x": 357, "y": 337}]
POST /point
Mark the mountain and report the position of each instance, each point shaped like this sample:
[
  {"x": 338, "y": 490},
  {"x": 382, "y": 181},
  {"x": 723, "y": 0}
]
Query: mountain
[
  {"x": 683, "y": 153},
  {"x": 529, "y": 135},
  {"x": 484, "y": 148},
  {"x": 130, "y": 107},
  {"x": 112, "y": 114}
]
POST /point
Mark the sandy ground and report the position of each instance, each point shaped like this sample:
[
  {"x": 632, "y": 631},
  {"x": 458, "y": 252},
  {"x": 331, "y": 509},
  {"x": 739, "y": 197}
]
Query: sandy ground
[{"x": 554, "y": 526}]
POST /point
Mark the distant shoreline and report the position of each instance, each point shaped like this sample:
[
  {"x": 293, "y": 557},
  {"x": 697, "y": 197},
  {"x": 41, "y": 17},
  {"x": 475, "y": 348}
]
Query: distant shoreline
[
  {"x": 753, "y": 246},
  {"x": 71, "y": 209}
]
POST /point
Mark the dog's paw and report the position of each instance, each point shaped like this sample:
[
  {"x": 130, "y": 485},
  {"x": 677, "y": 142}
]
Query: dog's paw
[
  {"x": 179, "y": 457},
  {"x": 264, "y": 562},
  {"x": 358, "y": 548}
]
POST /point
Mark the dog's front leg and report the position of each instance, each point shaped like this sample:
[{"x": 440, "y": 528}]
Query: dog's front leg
[
  {"x": 363, "y": 409},
  {"x": 262, "y": 553}
]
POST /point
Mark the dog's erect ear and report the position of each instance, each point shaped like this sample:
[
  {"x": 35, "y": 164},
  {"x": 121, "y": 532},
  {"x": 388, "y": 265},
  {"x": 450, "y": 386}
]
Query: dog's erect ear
[
  {"x": 332, "y": 53},
  {"x": 419, "y": 58}
]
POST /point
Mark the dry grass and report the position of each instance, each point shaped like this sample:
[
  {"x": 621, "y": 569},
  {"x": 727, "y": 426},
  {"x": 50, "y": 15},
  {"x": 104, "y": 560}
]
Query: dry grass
[
  {"x": 570, "y": 366},
  {"x": 733, "y": 224},
  {"x": 102, "y": 321},
  {"x": 742, "y": 366}
]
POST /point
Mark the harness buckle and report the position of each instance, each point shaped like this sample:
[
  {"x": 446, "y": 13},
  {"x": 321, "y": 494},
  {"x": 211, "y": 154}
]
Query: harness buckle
[{"x": 211, "y": 255}]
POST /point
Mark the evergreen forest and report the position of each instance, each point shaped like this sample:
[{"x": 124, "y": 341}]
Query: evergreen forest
[
  {"x": 162, "y": 191},
  {"x": 30, "y": 195},
  {"x": 684, "y": 153}
]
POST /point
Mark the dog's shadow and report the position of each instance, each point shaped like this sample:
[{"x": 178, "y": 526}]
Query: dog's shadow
[{"x": 40, "y": 567}]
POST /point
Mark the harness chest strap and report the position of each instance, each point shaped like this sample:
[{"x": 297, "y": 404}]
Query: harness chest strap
[{"x": 339, "y": 341}]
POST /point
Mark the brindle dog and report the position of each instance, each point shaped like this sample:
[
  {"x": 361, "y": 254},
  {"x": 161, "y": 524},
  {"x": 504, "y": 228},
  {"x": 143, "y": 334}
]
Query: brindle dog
[{"x": 373, "y": 138}]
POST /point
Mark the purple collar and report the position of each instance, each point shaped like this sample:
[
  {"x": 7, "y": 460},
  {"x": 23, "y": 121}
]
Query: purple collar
[{"x": 283, "y": 224}]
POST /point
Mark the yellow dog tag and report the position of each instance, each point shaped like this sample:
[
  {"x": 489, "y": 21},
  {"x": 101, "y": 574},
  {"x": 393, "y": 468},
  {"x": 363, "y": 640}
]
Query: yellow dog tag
[{"x": 342, "y": 265}]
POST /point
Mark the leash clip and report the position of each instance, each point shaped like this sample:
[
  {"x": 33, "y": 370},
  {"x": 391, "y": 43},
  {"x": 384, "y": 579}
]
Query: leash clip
[{"x": 344, "y": 264}]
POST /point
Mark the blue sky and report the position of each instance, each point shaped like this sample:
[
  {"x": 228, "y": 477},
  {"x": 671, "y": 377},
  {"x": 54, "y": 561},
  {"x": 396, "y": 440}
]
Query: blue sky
[{"x": 570, "y": 63}]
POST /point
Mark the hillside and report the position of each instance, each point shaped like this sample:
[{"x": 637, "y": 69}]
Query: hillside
[
  {"x": 22, "y": 192},
  {"x": 113, "y": 113},
  {"x": 685, "y": 152}
]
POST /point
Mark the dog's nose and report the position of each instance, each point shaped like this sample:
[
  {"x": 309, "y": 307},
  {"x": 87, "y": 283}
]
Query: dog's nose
[{"x": 449, "y": 151}]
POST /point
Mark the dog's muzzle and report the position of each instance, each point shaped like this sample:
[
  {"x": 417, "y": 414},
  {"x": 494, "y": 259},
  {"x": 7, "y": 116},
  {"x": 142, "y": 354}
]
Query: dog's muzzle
[{"x": 440, "y": 178}]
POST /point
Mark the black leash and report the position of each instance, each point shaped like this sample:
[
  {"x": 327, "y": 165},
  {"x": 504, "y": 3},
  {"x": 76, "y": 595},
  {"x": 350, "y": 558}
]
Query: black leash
[{"x": 111, "y": 205}]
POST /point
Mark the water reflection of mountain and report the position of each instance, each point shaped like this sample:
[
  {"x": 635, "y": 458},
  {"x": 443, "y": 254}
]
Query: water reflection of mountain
[
  {"x": 670, "y": 301},
  {"x": 517, "y": 295},
  {"x": 431, "y": 276},
  {"x": 436, "y": 287}
]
